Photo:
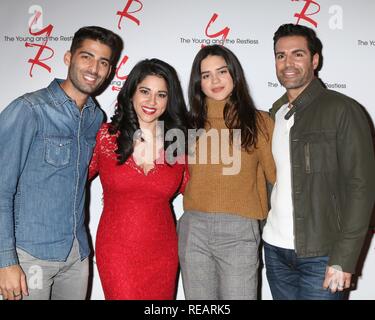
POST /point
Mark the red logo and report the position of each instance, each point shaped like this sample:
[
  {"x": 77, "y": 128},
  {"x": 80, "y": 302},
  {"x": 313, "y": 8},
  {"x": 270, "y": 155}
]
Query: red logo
[
  {"x": 304, "y": 15},
  {"x": 118, "y": 75},
  {"x": 223, "y": 33},
  {"x": 42, "y": 47},
  {"x": 127, "y": 14}
]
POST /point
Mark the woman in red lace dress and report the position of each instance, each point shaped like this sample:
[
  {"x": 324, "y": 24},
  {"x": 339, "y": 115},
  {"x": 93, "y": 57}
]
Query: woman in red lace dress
[{"x": 141, "y": 170}]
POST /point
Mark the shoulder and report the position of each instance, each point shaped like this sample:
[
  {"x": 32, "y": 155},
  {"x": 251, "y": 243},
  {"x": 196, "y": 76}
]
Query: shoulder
[
  {"x": 264, "y": 120},
  {"x": 104, "y": 134},
  {"x": 20, "y": 108},
  {"x": 105, "y": 141},
  {"x": 104, "y": 130},
  {"x": 38, "y": 97},
  {"x": 264, "y": 115},
  {"x": 340, "y": 106},
  {"x": 338, "y": 99}
]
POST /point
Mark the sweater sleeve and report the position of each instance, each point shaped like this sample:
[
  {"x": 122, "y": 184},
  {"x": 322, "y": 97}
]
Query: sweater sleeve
[{"x": 264, "y": 146}]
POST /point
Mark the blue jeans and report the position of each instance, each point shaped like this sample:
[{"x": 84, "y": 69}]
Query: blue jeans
[{"x": 294, "y": 278}]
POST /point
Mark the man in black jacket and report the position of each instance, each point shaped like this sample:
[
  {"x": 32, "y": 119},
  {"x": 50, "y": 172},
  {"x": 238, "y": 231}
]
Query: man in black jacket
[{"x": 324, "y": 194}]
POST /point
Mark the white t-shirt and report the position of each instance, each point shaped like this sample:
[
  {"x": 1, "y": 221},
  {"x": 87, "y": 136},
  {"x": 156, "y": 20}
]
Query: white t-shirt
[{"x": 278, "y": 230}]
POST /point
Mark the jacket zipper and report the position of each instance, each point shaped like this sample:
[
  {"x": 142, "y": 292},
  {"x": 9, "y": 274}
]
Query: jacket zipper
[{"x": 307, "y": 158}]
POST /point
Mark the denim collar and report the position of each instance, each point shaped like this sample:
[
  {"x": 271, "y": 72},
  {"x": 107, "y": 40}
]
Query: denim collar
[{"x": 60, "y": 97}]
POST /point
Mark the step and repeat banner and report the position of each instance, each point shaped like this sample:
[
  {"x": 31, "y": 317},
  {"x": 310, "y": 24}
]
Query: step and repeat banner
[{"x": 34, "y": 35}]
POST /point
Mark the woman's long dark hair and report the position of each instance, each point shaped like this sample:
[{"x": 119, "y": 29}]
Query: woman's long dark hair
[
  {"x": 125, "y": 122},
  {"x": 239, "y": 111}
]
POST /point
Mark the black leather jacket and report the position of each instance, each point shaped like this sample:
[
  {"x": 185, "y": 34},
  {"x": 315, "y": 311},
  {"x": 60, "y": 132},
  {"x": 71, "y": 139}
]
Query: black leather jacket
[{"x": 333, "y": 174}]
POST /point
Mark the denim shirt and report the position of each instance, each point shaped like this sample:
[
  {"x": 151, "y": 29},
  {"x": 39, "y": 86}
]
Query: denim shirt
[{"x": 46, "y": 144}]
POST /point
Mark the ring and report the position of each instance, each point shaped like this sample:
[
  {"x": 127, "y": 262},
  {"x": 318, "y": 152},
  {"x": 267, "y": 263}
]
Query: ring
[
  {"x": 16, "y": 295},
  {"x": 340, "y": 287}
]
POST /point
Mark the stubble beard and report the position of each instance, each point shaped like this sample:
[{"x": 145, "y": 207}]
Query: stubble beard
[{"x": 78, "y": 84}]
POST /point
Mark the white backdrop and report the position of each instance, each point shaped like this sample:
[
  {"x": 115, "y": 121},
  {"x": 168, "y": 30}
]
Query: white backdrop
[{"x": 174, "y": 30}]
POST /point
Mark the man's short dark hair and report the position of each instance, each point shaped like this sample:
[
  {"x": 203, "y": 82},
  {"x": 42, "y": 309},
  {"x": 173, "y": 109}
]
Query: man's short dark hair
[
  {"x": 102, "y": 35},
  {"x": 290, "y": 29}
]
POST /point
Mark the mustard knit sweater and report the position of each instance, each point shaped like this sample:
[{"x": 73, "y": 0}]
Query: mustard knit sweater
[{"x": 244, "y": 194}]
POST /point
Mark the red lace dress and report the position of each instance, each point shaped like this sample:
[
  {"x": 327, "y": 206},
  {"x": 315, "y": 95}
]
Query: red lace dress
[{"x": 136, "y": 242}]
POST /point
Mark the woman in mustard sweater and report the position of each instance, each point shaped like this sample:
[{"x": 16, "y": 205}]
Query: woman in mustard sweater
[{"x": 226, "y": 195}]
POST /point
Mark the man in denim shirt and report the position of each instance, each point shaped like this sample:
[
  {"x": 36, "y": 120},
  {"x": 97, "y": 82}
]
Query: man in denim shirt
[{"x": 46, "y": 142}]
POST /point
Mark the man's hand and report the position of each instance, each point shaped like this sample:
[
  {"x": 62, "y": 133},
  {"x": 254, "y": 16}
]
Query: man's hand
[
  {"x": 13, "y": 283},
  {"x": 336, "y": 279}
]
